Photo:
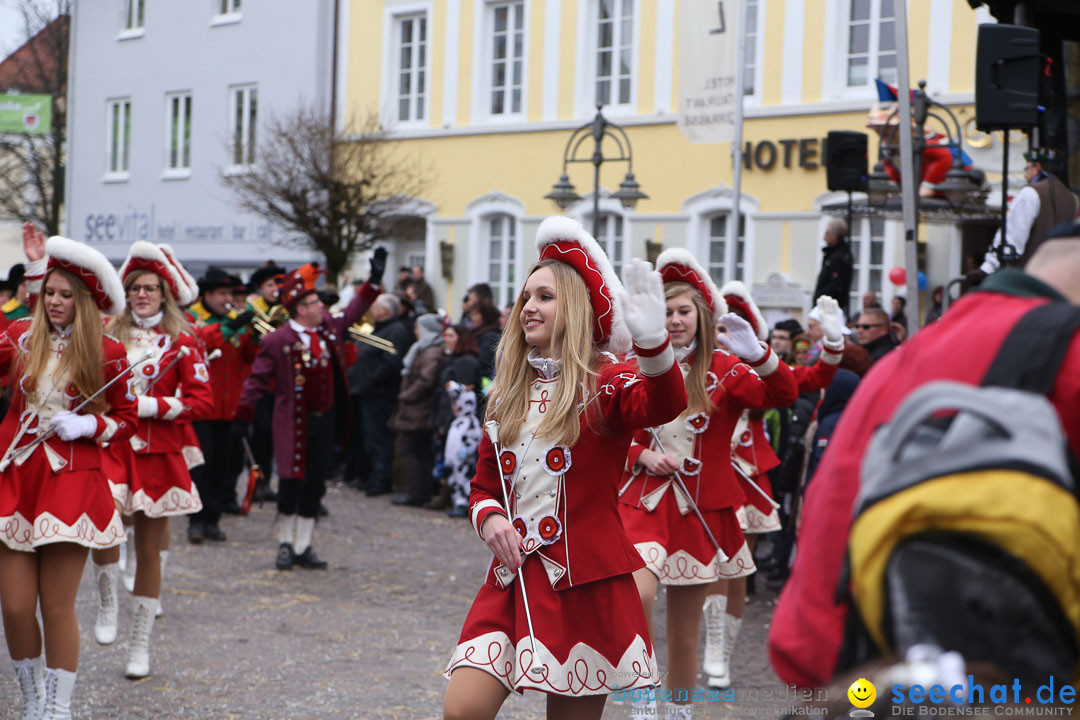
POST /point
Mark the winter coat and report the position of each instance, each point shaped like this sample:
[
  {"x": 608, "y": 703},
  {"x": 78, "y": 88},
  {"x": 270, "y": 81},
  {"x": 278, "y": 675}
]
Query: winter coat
[
  {"x": 416, "y": 400},
  {"x": 377, "y": 373},
  {"x": 834, "y": 279}
]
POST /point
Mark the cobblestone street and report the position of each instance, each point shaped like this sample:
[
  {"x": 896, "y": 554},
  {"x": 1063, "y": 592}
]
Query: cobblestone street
[{"x": 367, "y": 639}]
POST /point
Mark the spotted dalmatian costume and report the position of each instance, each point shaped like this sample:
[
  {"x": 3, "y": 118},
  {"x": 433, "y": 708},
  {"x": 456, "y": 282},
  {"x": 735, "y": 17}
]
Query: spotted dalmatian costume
[{"x": 462, "y": 443}]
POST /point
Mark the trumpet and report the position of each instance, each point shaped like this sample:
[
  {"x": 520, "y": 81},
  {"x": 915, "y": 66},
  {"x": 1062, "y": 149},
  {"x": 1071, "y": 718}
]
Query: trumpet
[
  {"x": 265, "y": 323},
  {"x": 362, "y": 333}
]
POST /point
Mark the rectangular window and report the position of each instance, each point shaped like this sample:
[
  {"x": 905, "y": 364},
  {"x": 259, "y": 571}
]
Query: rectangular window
[
  {"x": 118, "y": 148},
  {"x": 134, "y": 14},
  {"x": 871, "y": 42},
  {"x": 507, "y": 58},
  {"x": 868, "y": 251},
  {"x": 610, "y": 236},
  {"x": 614, "y": 51},
  {"x": 724, "y": 267},
  {"x": 502, "y": 251},
  {"x": 178, "y": 131},
  {"x": 244, "y": 122},
  {"x": 411, "y": 67},
  {"x": 750, "y": 56},
  {"x": 228, "y": 7}
]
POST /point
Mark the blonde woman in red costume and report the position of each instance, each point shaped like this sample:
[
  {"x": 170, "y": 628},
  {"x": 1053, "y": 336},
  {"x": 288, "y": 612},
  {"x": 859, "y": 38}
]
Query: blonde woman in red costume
[
  {"x": 55, "y": 500},
  {"x": 565, "y": 411},
  {"x": 686, "y": 464}
]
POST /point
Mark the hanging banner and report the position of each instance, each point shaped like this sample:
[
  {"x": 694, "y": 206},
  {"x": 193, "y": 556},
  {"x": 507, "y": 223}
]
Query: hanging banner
[
  {"x": 25, "y": 113},
  {"x": 708, "y": 45}
]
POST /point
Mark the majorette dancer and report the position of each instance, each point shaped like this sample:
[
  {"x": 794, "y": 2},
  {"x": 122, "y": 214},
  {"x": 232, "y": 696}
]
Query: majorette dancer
[
  {"x": 679, "y": 477},
  {"x": 559, "y": 612},
  {"x": 171, "y": 388},
  {"x": 69, "y": 393},
  {"x": 753, "y": 457}
]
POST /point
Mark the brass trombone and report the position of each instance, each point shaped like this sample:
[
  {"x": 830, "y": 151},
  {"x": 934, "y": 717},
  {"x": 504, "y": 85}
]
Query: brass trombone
[
  {"x": 362, "y": 333},
  {"x": 265, "y": 323}
]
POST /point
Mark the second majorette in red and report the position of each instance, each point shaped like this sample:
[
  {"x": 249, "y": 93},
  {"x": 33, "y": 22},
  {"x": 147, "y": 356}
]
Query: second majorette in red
[
  {"x": 171, "y": 385},
  {"x": 679, "y": 496},
  {"x": 559, "y": 612}
]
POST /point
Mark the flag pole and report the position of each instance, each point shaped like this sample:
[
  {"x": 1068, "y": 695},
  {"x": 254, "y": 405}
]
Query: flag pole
[
  {"x": 737, "y": 143},
  {"x": 909, "y": 186}
]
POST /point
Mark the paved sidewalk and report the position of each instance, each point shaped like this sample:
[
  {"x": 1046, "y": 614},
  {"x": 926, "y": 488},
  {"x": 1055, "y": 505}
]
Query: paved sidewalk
[{"x": 367, "y": 639}]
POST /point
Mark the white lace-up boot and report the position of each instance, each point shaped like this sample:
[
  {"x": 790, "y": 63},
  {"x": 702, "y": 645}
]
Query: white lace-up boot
[
  {"x": 59, "y": 685},
  {"x": 30, "y": 674},
  {"x": 105, "y": 625},
  {"x": 731, "y": 633},
  {"x": 142, "y": 624},
  {"x": 128, "y": 553},
  {"x": 714, "y": 612},
  {"x": 164, "y": 559}
]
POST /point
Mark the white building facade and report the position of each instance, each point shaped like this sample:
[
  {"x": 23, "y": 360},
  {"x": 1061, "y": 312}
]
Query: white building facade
[{"x": 167, "y": 97}]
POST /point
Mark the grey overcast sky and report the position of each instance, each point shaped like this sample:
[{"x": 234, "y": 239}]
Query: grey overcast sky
[{"x": 11, "y": 28}]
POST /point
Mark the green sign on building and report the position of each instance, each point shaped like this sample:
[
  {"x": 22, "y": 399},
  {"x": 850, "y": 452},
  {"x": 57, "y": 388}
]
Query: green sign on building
[{"x": 25, "y": 113}]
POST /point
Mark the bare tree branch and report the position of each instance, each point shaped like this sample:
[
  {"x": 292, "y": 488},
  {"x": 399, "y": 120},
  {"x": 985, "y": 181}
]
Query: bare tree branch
[
  {"x": 32, "y": 166},
  {"x": 338, "y": 195}
]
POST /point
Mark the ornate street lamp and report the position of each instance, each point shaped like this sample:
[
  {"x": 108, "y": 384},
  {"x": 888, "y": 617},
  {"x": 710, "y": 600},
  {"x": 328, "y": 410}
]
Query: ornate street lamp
[{"x": 629, "y": 192}]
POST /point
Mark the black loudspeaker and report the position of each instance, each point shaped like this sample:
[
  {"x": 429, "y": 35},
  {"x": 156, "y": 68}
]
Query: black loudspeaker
[
  {"x": 1007, "y": 64},
  {"x": 845, "y": 160}
]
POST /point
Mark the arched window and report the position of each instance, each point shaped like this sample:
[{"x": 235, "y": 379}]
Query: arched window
[{"x": 502, "y": 239}]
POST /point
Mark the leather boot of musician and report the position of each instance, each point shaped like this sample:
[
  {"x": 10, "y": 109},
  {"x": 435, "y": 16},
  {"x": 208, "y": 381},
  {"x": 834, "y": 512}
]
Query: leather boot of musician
[
  {"x": 305, "y": 554},
  {"x": 286, "y": 557}
]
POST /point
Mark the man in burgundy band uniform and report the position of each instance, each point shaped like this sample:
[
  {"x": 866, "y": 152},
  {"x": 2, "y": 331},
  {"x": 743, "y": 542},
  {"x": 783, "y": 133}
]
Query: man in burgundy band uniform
[{"x": 303, "y": 363}]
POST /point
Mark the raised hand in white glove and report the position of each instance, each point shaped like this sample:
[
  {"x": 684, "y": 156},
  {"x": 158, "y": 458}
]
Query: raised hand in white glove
[
  {"x": 644, "y": 306},
  {"x": 70, "y": 426},
  {"x": 148, "y": 407},
  {"x": 740, "y": 338},
  {"x": 831, "y": 324}
]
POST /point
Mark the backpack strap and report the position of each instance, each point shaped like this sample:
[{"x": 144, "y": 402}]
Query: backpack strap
[{"x": 1034, "y": 349}]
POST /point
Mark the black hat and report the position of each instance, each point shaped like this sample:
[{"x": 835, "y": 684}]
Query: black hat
[
  {"x": 264, "y": 273},
  {"x": 215, "y": 277},
  {"x": 238, "y": 285},
  {"x": 16, "y": 275}
]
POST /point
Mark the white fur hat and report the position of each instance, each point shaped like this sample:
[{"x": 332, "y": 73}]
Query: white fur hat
[
  {"x": 564, "y": 239},
  {"x": 146, "y": 256},
  {"x": 678, "y": 265},
  {"x": 737, "y": 296},
  {"x": 90, "y": 266},
  {"x": 188, "y": 295}
]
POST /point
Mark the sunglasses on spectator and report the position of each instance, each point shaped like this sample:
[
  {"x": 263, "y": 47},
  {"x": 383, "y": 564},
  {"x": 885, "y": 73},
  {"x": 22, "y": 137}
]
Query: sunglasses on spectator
[{"x": 867, "y": 326}]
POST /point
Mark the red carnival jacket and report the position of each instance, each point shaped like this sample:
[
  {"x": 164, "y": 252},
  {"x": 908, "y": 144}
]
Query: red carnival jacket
[{"x": 117, "y": 423}]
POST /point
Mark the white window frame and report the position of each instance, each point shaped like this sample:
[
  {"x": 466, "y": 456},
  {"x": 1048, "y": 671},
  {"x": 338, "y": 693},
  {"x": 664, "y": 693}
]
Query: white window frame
[
  {"x": 117, "y": 144},
  {"x": 480, "y": 212},
  {"x": 131, "y": 24},
  {"x": 586, "y": 80},
  {"x": 873, "y": 52},
  {"x": 226, "y": 12},
  {"x": 836, "y": 43},
  {"x": 178, "y": 169},
  {"x": 609, "y": 218},
  {"x": 701, "y": 209},
  {"x": 392, "y": 18},
  {"x": 754, "y": 99},
  {"x": 484, "y": 61},
  {"x": 247, "y": 132},
  {"x": 861, "y": 268},
  {"x": 729, "y": 262},
  {"x": 504, "y": 289}
]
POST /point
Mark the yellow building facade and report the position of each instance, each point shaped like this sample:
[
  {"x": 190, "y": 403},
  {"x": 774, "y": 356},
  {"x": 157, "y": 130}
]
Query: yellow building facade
[{"x": 486, "y": 93}]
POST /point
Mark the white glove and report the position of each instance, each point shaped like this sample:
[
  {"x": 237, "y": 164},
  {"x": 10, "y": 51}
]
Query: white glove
[
  {"x": 831, "y": 324},
  {"x": 148, "y": 407},
  {"x": 70, "y": 426},
  {"x": 740, "y": 338},
  {"x": 644, "y": 306}
]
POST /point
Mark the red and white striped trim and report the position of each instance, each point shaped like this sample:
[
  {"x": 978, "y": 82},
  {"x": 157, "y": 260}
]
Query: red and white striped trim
[
  {"x": 484, "y": 508},
  {"x": 175, "y": 501},
  {"x": 655, "y": 361},
  {"x": 18, "y": 533},
  {"x": 766, "y": 364}
]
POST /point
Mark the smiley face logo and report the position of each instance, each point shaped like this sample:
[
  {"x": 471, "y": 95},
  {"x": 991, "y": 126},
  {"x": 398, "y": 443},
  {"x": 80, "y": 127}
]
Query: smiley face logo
[{"x": 862, "y": 693}]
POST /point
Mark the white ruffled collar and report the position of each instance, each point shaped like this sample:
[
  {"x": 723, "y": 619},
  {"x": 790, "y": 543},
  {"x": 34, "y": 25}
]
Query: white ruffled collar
[
  {"x": 64, "y": 332},
  {"x": 549, "y": 368},
  {"x": 683, "y": 354},
  {"x": 148, "y": 322}
]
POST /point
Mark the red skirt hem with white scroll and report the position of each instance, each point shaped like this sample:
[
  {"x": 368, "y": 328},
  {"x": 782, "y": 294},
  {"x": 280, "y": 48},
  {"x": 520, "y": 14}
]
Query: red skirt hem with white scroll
[
  {"x": 760, "y": 515},
  {"x": 676, "y": 548},
  {"x": 39, "y": 507},
  {"x": 591, "y": 639},
  {"x": 161, "y": 486}
]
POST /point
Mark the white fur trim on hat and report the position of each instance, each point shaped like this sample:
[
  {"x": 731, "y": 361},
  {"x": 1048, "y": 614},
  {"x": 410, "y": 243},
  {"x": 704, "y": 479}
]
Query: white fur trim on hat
[
  {"x": 681, "y": 256},
  {"x": 192, "y": 286},
  {"x": 560, "y": 227},
  {"x": 739, "y": 290},
  {"x": 109, "y": 295},
  {"x": 142, "y": 250}
]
